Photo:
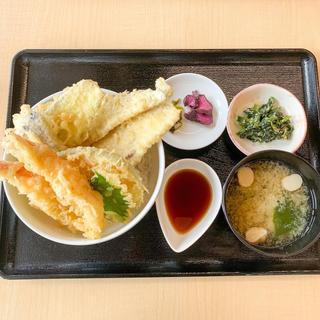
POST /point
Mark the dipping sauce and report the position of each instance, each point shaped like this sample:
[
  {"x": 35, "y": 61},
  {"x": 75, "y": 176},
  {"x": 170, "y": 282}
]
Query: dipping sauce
[{"x": 187, "y": 197}]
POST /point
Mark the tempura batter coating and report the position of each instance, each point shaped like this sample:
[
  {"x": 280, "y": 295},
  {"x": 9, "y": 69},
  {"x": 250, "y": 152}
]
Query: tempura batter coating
[
  {"x": 111, "y": 166},
  {"x": 83, "y": 113},
  {"x": 38, "y": 192},
  {"x": 132, "y": 139},
  {"x": 123, "y": 106},
  {"x": 70, "y": 186}
]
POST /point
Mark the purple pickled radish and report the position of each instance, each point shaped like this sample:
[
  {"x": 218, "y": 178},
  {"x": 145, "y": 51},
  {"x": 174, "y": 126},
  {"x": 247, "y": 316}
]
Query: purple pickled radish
[
  {"x": 204, "y": 118},
  {"x": 205, "y": 107},
  {"x": 201, "y": 108},
  {"x": 191, "y": 115},
  {"x": 195, "y": 93},
  {"x": 190, "y": 101}
]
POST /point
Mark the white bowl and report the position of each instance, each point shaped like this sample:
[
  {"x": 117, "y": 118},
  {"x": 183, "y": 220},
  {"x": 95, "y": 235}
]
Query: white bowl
[
  {"x": 260, "y": 93},
  {"x": 179, "y": 242},
  {"x": 193, "y": 135},
  {"x": 43, "y": 225}
]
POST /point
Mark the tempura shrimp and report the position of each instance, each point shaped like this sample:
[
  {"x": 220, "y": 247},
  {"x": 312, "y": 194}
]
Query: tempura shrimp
[{"x": 71, "y": 188}]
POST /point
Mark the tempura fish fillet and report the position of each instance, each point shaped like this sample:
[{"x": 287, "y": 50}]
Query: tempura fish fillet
[
  {"x": 83, "y": 113},
  {"x": 72, "y": 188},
  {"x": 66, "y": 120},
  {"x": 22, "y": 123},
  {"x": 111, "y": 166},
  {"x": 123, "y": 106},
  {"x": 132, "y": 139},
  {"x": 38, "y": 192}
]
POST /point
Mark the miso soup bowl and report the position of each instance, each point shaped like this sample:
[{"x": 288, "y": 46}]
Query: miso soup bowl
[{"x": 311, "y": 179}]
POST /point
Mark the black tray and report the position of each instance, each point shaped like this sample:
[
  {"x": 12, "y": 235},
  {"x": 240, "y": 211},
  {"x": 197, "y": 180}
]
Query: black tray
[{"x": 143, "y": 250}]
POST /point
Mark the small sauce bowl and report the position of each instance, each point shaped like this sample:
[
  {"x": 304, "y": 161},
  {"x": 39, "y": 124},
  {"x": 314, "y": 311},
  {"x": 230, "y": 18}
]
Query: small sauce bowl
[{"x": 177, "y": 241}]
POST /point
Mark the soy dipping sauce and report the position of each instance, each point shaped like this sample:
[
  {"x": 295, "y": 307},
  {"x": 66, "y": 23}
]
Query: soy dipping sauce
[{"x": 187, "y": 197}]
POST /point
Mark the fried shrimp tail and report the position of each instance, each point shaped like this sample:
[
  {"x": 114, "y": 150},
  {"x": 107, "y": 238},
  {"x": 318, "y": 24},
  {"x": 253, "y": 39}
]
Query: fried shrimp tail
[{"x": 72, "y": 188}]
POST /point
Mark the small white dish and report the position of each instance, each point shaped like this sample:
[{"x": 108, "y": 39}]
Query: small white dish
[
  {"x": 179, "y": 242},
  {"x": 260, "y": 93},
  {"x": 193, "y": 135},
  {"x": 46, "y": 227}
]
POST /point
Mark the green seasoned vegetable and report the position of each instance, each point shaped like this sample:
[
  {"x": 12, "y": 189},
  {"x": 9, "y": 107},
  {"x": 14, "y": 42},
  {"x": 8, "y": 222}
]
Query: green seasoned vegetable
[
  {"x": 285, "y": 217},
  {"x": 264, "y": 123},
  {"x": 178, "y": 124},
  {"x": 113, "y": 200}
]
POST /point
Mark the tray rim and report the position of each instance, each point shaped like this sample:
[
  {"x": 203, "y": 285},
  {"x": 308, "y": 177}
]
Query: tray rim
[{"x": 302, "y": 51}]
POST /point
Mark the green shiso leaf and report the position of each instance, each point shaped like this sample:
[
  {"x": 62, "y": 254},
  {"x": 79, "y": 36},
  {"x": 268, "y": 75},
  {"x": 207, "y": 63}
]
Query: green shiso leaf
[{"x": 113, "y": 200}]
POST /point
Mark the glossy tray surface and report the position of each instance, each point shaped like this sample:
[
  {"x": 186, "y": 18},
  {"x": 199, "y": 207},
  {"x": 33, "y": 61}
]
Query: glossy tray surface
[{"x": 143, "y": 250}]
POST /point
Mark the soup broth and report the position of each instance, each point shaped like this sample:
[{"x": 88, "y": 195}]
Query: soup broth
[{"x": 266, "y": 204}]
